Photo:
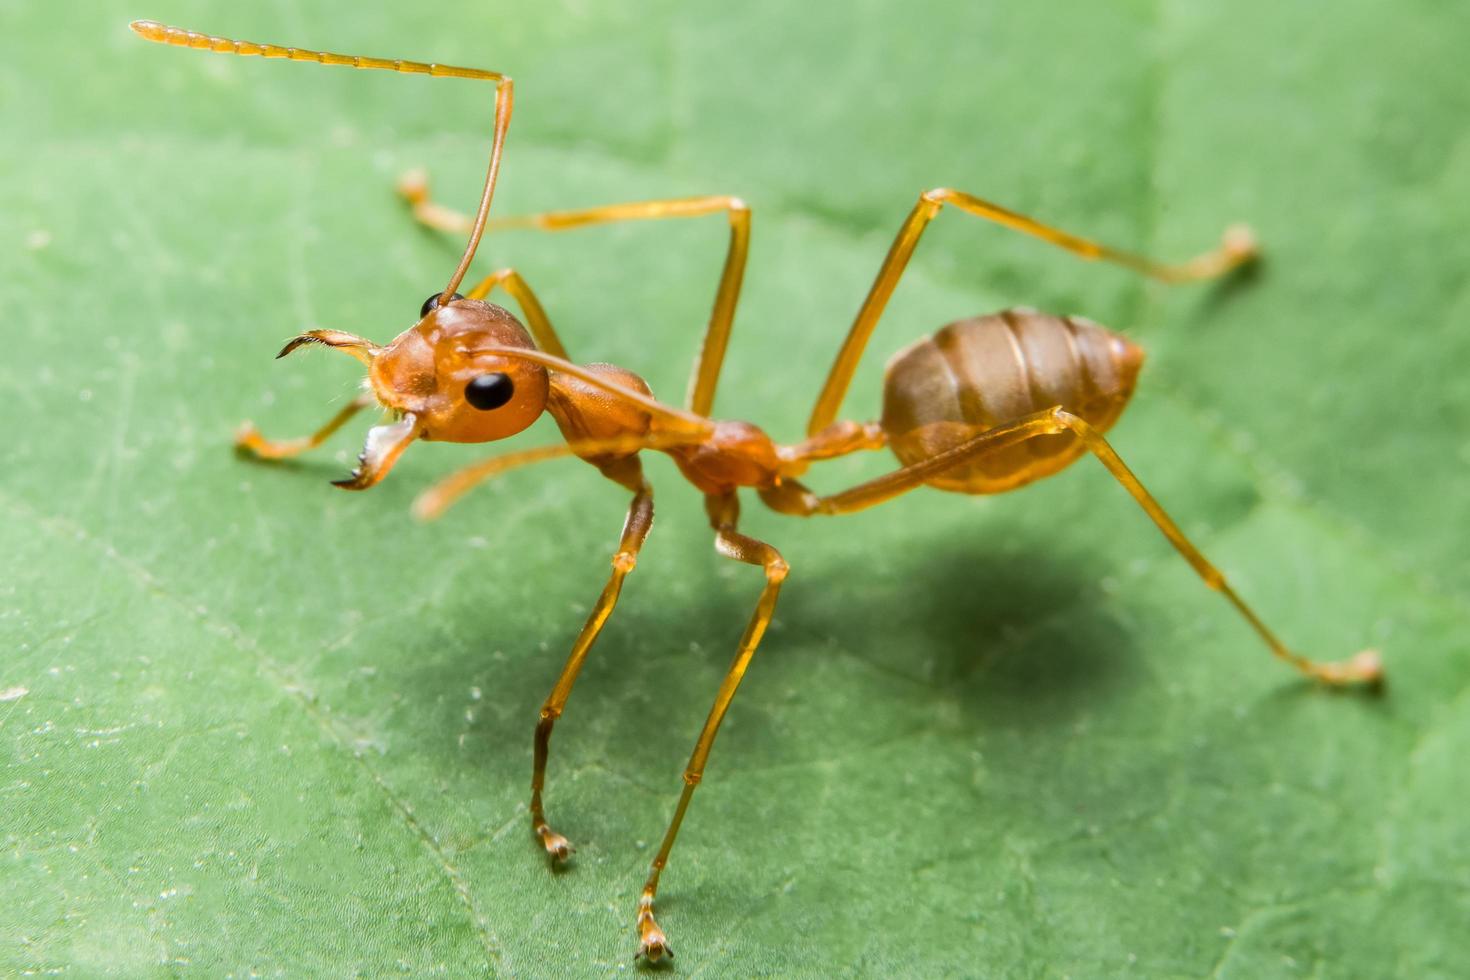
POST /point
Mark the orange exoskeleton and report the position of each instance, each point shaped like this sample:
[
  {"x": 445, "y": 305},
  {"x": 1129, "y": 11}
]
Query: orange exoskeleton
[{"x": 984, "y": 405}]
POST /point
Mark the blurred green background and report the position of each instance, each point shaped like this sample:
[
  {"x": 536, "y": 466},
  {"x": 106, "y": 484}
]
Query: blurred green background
[{"x": 249, "y": 724}]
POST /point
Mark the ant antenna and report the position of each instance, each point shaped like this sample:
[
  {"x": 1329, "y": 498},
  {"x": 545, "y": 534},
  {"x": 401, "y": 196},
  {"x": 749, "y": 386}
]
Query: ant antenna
[{"x": 504, "y": 99}]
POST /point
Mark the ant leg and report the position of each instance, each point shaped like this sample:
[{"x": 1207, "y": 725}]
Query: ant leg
[
  {"x": 724, "y": 512},
  {"x": 1365, "y": 667},
  {"x": 433, "y": 502},
  {"x": 837, "y": 439},
  {"x": 249, "y": 440},
  {"x": 635, "y": 530},
  {"x": 1238, "y": 247},
  {"x": 414, "y": 188},
  {"x": 510, "y": 280}
]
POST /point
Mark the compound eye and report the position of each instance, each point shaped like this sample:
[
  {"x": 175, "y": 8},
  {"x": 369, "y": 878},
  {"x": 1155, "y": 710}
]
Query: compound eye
[
  {"x": 432, "y": 303},
  {"x": 489, "y": 391}
]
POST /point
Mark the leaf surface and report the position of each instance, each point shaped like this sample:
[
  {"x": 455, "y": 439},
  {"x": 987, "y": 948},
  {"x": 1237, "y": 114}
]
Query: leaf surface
[{"x": 251, "y": 724}]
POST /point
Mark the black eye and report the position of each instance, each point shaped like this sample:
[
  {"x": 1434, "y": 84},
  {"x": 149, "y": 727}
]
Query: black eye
[
  {"x": 432, "y": 303},
  {"x": 489, "y": 391}
]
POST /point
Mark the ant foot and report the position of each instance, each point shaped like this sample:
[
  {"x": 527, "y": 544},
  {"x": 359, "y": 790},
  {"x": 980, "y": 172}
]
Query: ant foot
[
  {"x": 653, "y": 945},
  {"x": 1364, "y": 668},
  {"x": 558, "y": 848},
  {"x": 249, "y": 442},
  {"x": 413, "y": 186},
  {"x": 1240, "y": 244}
]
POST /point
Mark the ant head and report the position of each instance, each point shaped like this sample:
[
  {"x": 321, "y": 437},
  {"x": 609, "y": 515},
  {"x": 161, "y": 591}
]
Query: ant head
[
  {"x": 447, "y": 377},
  {"x": 437, "y": 371}
]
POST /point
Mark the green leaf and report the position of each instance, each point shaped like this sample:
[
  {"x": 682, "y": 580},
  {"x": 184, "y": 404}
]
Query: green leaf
[{"x": 249, "y": 724}]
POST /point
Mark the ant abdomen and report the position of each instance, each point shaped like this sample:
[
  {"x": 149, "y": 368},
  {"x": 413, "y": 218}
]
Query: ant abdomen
[{"x": 975, "y": 374}]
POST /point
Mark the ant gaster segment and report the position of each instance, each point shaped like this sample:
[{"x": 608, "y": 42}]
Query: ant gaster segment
[{"x": 984, "y": 405}]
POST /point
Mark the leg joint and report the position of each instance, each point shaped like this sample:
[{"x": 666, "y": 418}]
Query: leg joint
[{"x": 1067, "y": 420}]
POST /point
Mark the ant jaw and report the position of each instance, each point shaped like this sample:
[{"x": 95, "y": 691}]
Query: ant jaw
[
  {"x": 385, "y": 443},
  {"x": 363, "y": 350}
]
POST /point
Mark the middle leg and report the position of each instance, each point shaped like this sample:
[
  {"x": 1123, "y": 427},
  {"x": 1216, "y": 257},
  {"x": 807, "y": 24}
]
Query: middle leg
[{"x": 724, "y": 512}]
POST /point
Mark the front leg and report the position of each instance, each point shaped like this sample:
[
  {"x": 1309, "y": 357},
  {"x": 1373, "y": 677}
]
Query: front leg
[
  {"x": 414, "y": 188},
  {"x": 635, "y": 531},
  {"x": 724, "y": 512},
  {"x": 248, "y": 439}
]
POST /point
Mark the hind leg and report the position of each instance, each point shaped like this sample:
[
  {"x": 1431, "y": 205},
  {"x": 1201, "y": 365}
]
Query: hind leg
[
  {"x": 1365, "y": 667},
  {"x": 1237, "y": 248}
]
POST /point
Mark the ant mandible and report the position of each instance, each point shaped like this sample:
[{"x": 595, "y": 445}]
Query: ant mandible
[{"x": 983, "y": 405}]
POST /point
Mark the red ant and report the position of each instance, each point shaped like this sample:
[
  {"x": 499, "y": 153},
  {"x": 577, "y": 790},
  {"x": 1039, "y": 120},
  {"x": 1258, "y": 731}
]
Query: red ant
[{"x": 983, "y": 405}]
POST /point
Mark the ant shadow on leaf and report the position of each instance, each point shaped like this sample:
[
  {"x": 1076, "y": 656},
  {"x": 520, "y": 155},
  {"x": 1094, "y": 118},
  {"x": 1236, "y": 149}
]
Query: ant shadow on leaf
[
  {"x": 1026, "y": 640},
  {"x": 993, "y": 628}
]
